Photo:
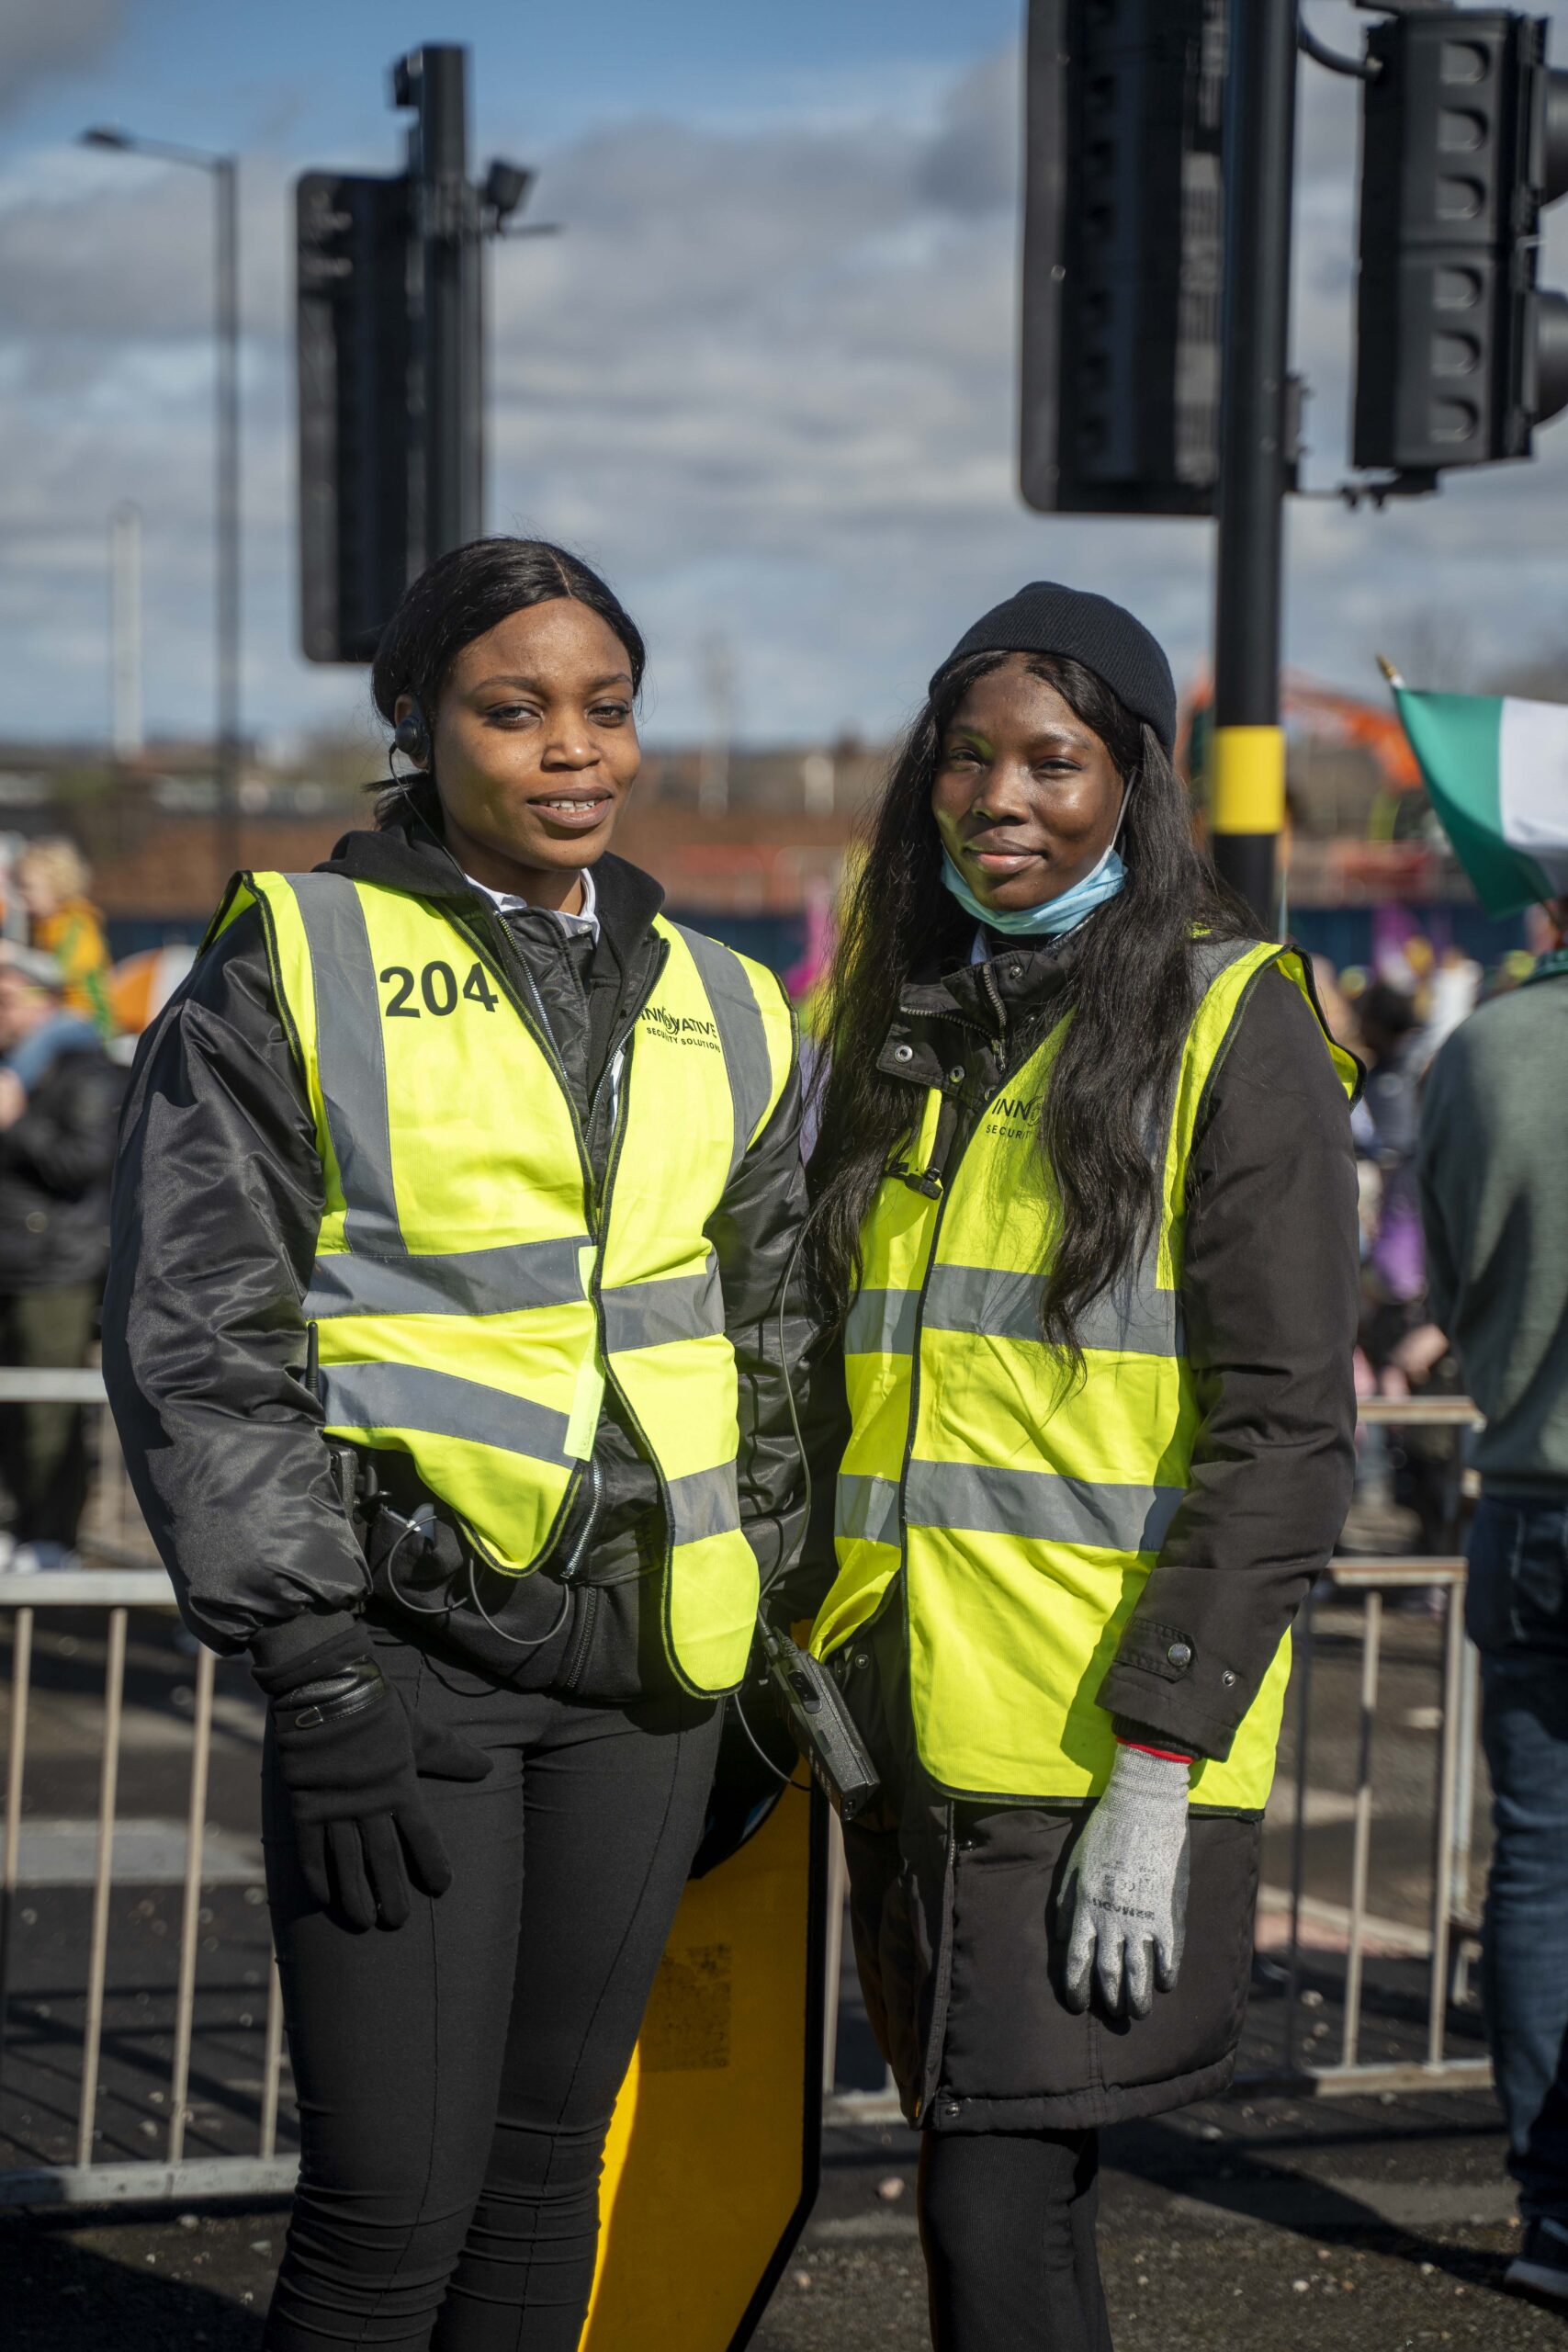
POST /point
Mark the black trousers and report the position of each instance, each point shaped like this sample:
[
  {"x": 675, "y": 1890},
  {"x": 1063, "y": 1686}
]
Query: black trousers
[
  {"x": 457, "y": 2079},
  {"x": 1006, "y": 2221}
]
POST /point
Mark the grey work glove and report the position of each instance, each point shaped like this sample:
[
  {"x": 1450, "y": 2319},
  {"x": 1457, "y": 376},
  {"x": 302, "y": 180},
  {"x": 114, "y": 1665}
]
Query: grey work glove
[{"x": 1123, "y": 1899}]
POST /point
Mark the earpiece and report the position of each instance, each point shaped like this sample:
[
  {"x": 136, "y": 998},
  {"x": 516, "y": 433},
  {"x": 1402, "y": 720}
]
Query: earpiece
[{"x": 411, "y": 737}]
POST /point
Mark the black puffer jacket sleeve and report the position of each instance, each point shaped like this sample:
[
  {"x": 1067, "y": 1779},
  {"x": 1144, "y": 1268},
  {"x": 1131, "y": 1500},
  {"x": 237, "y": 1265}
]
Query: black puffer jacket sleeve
[
  {"x": 754, "y": 1233},
  {"x": 1269, "y": 1291},
  {"x": 217, "y": 1206}
]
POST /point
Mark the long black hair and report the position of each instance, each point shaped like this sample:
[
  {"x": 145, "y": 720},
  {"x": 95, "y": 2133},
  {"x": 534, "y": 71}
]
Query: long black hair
[
  {"x": 1131, "y": 993},
  {"x": 461, "y": 595}
]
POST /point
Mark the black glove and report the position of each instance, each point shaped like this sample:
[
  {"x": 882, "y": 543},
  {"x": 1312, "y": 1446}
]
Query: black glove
[{"x": 350, "y": 1756}]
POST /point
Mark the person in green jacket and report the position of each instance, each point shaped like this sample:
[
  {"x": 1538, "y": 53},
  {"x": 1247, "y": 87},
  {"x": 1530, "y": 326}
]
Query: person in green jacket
[{"x": 1494, "y": 1205}]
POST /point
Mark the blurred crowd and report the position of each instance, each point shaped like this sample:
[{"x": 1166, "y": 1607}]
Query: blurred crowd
[
  {"x": 1396, "y": 1014},
  {"x": 59, "y": 1092}
]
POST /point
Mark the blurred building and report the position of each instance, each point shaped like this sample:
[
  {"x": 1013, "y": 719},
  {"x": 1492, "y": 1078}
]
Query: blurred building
[{"x": 752, "y": 865}]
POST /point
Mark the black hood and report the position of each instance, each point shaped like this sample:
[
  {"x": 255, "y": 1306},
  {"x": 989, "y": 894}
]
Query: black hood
[{"x": 410, "y": 855}]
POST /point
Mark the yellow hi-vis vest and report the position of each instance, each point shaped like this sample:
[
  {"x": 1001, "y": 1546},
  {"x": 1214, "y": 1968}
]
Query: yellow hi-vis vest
[
  {"x": 471, "y": 1293},
  {"x": 1025, "y": 1514}
]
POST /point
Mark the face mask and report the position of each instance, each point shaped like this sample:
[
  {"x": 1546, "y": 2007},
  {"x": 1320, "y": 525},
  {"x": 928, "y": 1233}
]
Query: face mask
[{"x": 1102, "y": 881}]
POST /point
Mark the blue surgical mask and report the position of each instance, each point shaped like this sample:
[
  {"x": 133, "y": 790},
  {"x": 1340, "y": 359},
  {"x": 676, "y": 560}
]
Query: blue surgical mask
[{"x": 1056, "y": 916}]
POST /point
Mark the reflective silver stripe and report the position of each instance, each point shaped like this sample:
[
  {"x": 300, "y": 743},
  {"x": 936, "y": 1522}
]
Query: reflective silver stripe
[
  {"x": 650, "y": 1314},
  {"x": 742, "y": 1033},
  {"x": 468, "y": 1282},
  {"x": 986, "y": 1300},
  {"x": 412, "y": 1396},
  {"x": 882, "y": 1323},
  {"x": 1134, "y": 1317},
  {"x": 704, "y": 1502},
  {"x": 350, "y": 1057},
  {"x": 867, "y": 1508},
  {"x": 1036, "y": 1505}
]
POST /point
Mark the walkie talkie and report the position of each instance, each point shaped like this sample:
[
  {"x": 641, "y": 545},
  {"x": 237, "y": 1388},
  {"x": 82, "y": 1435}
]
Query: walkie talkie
[{"x": 813, "y": 1706}]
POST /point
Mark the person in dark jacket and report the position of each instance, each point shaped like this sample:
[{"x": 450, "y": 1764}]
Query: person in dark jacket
[
  {"x": 1084, "y": 1206},
  {"x": 59, "y": 1098},
  {"x": 1495, "y": 1205},
  {"x": 448, "y": 1336}
]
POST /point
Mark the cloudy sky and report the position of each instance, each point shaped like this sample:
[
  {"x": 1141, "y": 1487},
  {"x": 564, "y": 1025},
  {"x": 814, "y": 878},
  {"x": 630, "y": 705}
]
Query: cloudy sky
[{"x": 766, "y": 377}]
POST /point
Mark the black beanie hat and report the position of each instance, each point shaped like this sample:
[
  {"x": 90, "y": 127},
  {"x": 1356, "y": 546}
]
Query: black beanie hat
[{"x": 1046, "y": 618}]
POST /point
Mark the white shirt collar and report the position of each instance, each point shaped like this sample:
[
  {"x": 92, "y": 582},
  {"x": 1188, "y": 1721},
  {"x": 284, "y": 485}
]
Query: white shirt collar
[{"x": 507, "y": 902}]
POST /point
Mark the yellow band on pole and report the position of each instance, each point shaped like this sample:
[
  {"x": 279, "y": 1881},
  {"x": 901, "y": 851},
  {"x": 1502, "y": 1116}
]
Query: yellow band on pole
[{"x": 1248, "y": 794}]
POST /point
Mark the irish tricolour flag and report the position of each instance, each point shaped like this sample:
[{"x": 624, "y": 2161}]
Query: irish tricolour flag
[{"x": 1497, "y": 771}]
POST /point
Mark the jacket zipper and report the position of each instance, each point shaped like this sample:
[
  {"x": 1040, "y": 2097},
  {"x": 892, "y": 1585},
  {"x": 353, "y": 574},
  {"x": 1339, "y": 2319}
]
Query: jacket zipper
[
  {"x": 988, "y": 982},
  {"x": 596, "y": 1209},
  {"x": 599, "y": 1206},
  {"x": 583, "y": 1635},
  {"x": 936, "y": 2046},
  {"x": 948, "y": 1178},
  {"x": 628, "y": 1408}
]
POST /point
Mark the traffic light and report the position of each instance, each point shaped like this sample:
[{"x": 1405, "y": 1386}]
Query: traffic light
[
  {"x": 391, "y": 459},
  {"x": 354, "y": 353},
  {"x": 1121, "y": 257},
  {"x": 1464, "y": 140}
]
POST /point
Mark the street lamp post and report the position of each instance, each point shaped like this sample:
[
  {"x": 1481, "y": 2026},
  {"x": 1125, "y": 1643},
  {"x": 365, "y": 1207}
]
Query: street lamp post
[{"x": 223, "y": 171}]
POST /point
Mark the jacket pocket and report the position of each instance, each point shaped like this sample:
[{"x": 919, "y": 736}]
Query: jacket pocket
[{"x": 617, "y": 1653}]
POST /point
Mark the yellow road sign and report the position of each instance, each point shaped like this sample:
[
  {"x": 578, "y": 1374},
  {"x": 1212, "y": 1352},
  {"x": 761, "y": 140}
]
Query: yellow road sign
[{"x": 712, "y": 2163}]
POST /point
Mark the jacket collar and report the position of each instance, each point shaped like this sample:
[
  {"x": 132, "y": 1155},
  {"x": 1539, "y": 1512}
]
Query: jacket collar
[
  {"x": 960, "y": 1030},
  {"x": 1018, "y": 975},
  {"x": 410, "y": 855}
]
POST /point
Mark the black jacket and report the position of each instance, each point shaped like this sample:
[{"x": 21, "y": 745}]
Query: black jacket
[
  {"x": 217, "y": 1201},
  {"x": 954, "y": 1905},
  {"x": 1270, "y": 1294},
  {"x": 54, "y": 1174}
]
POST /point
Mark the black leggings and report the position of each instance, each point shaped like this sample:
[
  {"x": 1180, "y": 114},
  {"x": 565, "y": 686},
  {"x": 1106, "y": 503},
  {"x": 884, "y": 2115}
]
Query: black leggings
[
  {"x": 1007, "y": 2220},
  {"x": 457, "y": 2079}
]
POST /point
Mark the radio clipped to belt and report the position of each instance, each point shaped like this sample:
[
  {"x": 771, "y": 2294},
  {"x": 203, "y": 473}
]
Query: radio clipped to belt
[
  {"x": 821, "y": 1726},
  {"x": 427, "y": 1564}
]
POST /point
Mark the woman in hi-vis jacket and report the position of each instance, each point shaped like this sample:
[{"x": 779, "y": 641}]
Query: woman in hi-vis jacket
[
  {"x": 447, "y": 1338},
  {"x": 1084, "y": 1211}
]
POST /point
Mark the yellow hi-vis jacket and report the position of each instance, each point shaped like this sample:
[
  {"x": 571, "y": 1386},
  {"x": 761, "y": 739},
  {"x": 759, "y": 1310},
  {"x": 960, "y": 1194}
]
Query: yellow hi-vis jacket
[
  {"x": 472, "y": 1293},
  {"x": 1025, "y": 1513}
]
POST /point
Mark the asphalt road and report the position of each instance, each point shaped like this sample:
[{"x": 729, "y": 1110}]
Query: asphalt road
[
  {"x": 1297, "y": 2227},
  {"x": 1256, "y": 2222}
]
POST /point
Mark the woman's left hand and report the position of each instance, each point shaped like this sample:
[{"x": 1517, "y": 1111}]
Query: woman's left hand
[{"x": 1123, "y": 1898}]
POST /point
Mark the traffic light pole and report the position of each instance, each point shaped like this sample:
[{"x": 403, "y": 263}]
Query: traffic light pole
[
  {"x": 1246, "y": 805},
  {"x": 229, "y": 830},
  {"x": 433, "y": 81}
]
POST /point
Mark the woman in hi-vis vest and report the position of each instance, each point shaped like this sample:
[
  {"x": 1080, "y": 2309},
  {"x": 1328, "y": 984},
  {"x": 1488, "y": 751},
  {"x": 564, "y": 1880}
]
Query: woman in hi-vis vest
[
  {"x": 448, "y": 1342},
  {"x": 1084, "y": 1208}
]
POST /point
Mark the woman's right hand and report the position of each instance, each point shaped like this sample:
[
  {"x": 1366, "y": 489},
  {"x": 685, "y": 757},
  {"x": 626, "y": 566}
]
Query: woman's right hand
[{"x": 351, "y": 1757}]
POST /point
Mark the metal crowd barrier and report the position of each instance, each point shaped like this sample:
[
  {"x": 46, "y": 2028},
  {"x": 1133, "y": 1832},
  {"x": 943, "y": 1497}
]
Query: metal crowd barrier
[
  {"x": 1449, "y": 1938},
  {"x": 176, "y": 2177},
  {"x": 173, "y": 2175}
]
